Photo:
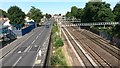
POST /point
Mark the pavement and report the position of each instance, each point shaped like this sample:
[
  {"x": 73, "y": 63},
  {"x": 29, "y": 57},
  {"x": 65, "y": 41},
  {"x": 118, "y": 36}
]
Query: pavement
[{"x": 26, "y": 53}]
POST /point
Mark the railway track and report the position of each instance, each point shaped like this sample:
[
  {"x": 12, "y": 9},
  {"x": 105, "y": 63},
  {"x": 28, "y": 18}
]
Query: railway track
[
  {"x": 105, "y": 46},
  {"x": 104, "y": 41},
  {"x": 85, "y": 58},
  {"x": 100, "y": 59},
  {"x": 94, "y": 51}
]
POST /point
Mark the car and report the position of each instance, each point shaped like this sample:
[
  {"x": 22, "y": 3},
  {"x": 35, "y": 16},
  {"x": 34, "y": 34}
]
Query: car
[{"x": 47, "y": 26}]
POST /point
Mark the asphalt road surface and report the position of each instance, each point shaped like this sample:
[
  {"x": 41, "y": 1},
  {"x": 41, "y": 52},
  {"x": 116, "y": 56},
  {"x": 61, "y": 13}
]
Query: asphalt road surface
[{"x": 25, "y": 54}]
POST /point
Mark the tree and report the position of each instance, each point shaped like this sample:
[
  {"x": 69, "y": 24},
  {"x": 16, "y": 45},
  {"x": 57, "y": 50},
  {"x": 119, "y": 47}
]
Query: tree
[
  {"x": 48, "y": 16},
  {"x": 97, "y": 11},
  {"x": 116, "y": 11},
  {"x": 79, "y": 13},
  {"x": 59, "y": 14},
  {"x": 16, "y": 15},
  {"x": 89, "y": 11},
  {"x": 35, "y": 14},
  {"x": 74, "y": 11},
  {"x": 3, "y": 13},
  {"x": 104, "y": 14},
  {"x": 68, "y": 15}
]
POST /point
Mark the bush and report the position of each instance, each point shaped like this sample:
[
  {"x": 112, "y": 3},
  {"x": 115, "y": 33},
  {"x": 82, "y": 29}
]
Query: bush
[
  {"x": 58, "y": 58},
  {"x": 58, "y": 42}
]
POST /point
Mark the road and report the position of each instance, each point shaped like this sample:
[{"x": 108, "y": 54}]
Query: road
[{"x": 27, "y": 52}]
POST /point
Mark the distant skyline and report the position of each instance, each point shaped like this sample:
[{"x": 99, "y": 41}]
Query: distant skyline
[{"x": 51, "y": 7}]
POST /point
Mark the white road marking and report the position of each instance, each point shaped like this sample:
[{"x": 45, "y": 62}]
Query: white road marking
[
  {"x": 35, "y": 45},
  {"x": 1, "y": 62},
  {"x": 19, "y": 52},
  {"x": 47, "y": 38},
  {"x": 37, "y": 37},
  {"x": 42, "y": 31},
  {"x": 16, "y": 46},
  {"x": 37, "y": 61},
  {"x": 39, "y": 53},
  {"x": 17, "y": 61},
  {"x": 44, "y": 43},
  {"x": 27, "y": 49},
  {"x": 33, "y": 41}
]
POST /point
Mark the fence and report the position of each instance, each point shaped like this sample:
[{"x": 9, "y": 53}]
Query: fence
[{"x": 29, "y": 28}]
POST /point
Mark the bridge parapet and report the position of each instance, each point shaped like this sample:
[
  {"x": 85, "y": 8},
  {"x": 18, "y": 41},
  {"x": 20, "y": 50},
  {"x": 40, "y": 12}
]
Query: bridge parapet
[{"x": 91, "y": 24}]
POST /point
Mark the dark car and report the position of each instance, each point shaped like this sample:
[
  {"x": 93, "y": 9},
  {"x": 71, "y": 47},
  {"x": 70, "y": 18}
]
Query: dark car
[{"x": 47, "y": 26}]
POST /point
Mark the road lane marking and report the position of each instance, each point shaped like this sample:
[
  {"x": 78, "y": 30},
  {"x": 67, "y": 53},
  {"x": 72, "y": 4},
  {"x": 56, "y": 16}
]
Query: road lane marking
[
  {"x": 29, "y": 48},
  {"x": 39, "y": 53},
  {"x": 19, "y": 52},
  {"x": 1, "y": 62},
  {"x": 17, "y": 45},
  {"x": 37, "y": 36},
  {"x": 35, "y": 45},
  {"x": 42, "y": 31},
  {"x": 26, "y": 49},
  {"x": 42, "y": 45},
  {"x": 17, "y": 61},
  {"x": 47, "y": 38},
  {"x": 37, "y": 61},
  {"x": 33, "y": 41}
]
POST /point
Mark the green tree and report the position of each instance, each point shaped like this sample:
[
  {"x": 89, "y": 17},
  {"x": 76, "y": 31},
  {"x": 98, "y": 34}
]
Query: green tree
[
  {"x": 74, "y": 11},
  {"x": 104, "y": 14},
  {"x": 116, "y": 11},
  {"x": 48, "y": 16},
  {"x": 16, "y": 15},
  {"x": 89, "y": 12},
  {"x": 79, "y": 13},
  {"x": 35, "y": 14},
  {"x": 97, "y": 11},
  {"x": 3, "y": 13},
  {"x": 68, "y": 15}
]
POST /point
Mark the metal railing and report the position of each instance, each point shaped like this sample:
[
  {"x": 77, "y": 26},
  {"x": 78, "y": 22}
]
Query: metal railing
[{"x": 91, "y": 24}]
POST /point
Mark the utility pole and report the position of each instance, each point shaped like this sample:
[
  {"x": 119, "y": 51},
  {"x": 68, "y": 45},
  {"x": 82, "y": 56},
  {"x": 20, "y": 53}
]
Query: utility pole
[
  {"x": 60, "y": 29},
  {"x": 60, "y": 25}
]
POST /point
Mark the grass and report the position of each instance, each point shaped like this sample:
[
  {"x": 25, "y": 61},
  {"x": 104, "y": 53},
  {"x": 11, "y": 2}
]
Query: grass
[{"x": 57, "y": 58}]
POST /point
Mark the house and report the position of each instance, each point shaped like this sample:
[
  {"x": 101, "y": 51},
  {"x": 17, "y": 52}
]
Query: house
[{"x": 27, "y": 19}]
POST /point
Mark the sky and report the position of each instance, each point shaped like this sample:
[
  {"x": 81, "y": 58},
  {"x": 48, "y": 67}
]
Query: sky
[{"x": 48, "y": 6}]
